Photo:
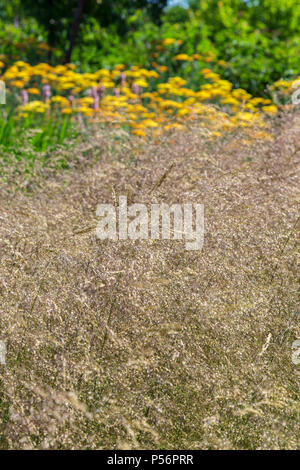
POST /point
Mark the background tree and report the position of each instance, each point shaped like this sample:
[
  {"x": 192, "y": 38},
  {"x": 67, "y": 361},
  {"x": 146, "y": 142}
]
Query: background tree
[{"x": 62, "y": 19}]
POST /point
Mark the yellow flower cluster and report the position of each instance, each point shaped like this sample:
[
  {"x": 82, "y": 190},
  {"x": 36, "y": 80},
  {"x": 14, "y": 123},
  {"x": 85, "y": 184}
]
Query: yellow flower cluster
[
  {"x": 285, "y": 89},
  {"x": 284, "y": 85},
  {"x": 136, "y": 97}
]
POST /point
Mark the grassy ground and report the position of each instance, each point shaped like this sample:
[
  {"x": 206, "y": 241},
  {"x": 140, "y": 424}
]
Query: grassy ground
[{"x": 145, "y": 344}]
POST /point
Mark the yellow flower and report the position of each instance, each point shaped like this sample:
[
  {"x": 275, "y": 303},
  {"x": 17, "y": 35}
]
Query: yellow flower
[
  {"x": 86, "y": 100},
  {"x": 205, "y": 71},
  {"x": 58, "y": 99},
  {"x": 132, "y": 116},
  {"x": 108, "y": 84},
  {"x": 183, "y": 57},
  {"x": 142, "y": 83},
  {"x": 147, "y": 95},
  {"x": 76, "y": 90},
  {"x": 272, "y": 109},
  {"x": 256, "y": 101},
  {"x": 33, "y": 91},
  {"x": 169, "y": 104},
  {"x": 168, "y": 41},
  {"x": 34, "y": 107},
  {"x": 149, "y": 123},
  {"x": 183, "y": 112},
  {"x": 18, "y": 84},
  {"x": 230, "y": 100},
  {"x": 174, "y": 126},
  {"x": 137, "y": 125},
  {"x": 120, "y": 67},
  {"x": 138, "y": 132},
  {"x": 66, "y": 86},
  {"x": 86, "y": 111},
  {"x": 162, "y": 68},
  {"x": 148, "y": 115},
  {"x": 20, "y": 63},
  {"x": 103, "y": 73}
]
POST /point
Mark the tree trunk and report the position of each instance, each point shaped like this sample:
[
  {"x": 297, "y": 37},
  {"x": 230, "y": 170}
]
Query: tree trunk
[
  {"x": 75, "y": 29},
  {"x": 16, "y": 21}
]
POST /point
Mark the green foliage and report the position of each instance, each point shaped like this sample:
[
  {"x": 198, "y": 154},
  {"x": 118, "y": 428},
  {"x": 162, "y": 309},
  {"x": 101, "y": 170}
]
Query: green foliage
[
  {"x": 37, "y": 133},
  {"x": 279, "y": 17},
  {"x": 26, "y": 42},
  {"x": 259, "y": 40},
  {"x": 57, "y": 17},
  {"x": 176, "y": 14}
]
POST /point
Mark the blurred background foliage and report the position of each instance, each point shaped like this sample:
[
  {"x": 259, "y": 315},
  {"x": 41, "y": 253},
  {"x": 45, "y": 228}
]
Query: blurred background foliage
[{"x": 258, "y": 39}]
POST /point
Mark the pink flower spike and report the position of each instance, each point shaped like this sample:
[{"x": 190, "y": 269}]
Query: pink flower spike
[
  {"x": 135, "y": 89},
  {"x": 24, "y": 97},
  {"x": 46, "y": 92},
  {"x": 72, "y": 100},
  {"x": 122, "y": 79},
  {"x": 95, "y": 97},
  {"x": 101, "y": 89}
]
